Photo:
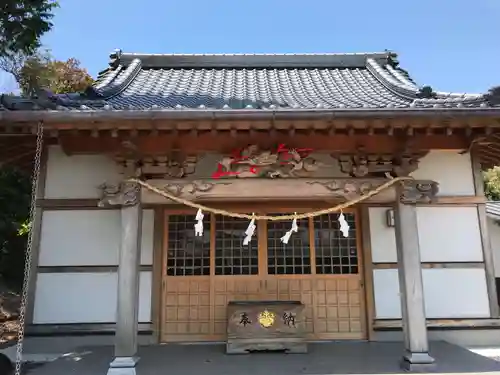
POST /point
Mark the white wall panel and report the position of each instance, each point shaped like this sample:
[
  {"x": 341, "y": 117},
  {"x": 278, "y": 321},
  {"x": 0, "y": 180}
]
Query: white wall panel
[
  {"x": 456, "y": 293},
  {"x": 386, "y": 292},
  {"x": 449, "y": 293},
  {"x": 145, "y": 292},
  {"x": 494, "y": 233},
  {"x": 383, "y": 238},
  {"x": 88, "y": 238},
  {"x": 84, "y": 298},
  {"x": 77, "y": 176},
  {"x": 452, "y": 170},
  {"x": 449, "y": 234},
  {"x": 446, "y": 234},
  {"x": 147, "y": 240}
]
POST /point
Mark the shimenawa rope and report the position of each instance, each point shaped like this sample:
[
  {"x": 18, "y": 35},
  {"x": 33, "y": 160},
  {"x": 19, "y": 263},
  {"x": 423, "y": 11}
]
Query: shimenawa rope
[{"x": 218, "y": 211}]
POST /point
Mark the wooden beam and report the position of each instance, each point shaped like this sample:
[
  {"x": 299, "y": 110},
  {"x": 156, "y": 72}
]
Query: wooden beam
[
  {"x": 334, "y": 191},
  {"x": 452, "y": 200},
  {"x": 71, "y": 204},
  {"x": 433, "y": 265},
  {"x": 226, "y": 143},
  {"x": 66, "y": 329},
  {"x": 87, "y": 269},
  {"x": 316, "y": 202},
  {"x": 361, "y": 120},
  {"x": 392, "y": 324}
]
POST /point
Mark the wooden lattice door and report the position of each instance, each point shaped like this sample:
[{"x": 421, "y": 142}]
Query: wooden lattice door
[{"x": 202, "y": 274}]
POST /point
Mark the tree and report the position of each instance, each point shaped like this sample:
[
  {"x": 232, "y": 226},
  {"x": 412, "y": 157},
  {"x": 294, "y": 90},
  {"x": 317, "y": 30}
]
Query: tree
[
  {"x": 32, "y": 73},
  {"x": 492, "y": 183},
  {"x": 15, "y": 188},
  {"x": 42, "y": 71},
  {"x": 22, "y": 23}
]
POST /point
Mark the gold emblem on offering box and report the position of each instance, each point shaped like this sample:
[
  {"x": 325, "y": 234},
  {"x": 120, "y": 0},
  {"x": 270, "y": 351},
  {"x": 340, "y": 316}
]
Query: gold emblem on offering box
[{"x": 266, "y": 319}]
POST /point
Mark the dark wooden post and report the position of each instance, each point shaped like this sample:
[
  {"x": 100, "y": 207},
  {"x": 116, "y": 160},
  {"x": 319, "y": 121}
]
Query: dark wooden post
[
  {"x": 127, "y": 196},
  {"x": 416, "y": 355}
]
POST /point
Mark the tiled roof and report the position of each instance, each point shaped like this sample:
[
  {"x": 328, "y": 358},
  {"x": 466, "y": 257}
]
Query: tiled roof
[
  {"x": 253, "y": 82},
  {"x": 493, "y": 210}
]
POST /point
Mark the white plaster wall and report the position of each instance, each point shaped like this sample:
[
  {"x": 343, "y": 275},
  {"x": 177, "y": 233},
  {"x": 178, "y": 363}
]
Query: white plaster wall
[
  {"x": 494, "y": 233},
  {"x": 383, "y": 238},
  {"x": 84, "y": 298},
  {"x": 77, "y": 176},
  {"x": 386, "y": 293},
  {"x": 446, "y": 234},
  {"x": 456, "y": 293},
  {"x": 84, "y": 238},
  {"x": 452, "y": 170},
  {"x": 448, "y": 293},
  {"x": 449, "y": 234},
  {"x": 88, "y": 238}
]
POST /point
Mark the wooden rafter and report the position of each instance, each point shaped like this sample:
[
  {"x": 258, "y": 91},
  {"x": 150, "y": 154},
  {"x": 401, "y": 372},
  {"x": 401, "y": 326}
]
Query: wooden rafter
[{"x": 337, "y": 135}]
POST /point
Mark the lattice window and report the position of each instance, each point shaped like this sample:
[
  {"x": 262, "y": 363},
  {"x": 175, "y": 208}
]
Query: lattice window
[
  {"x": 231, "y": 256},
  {"x": 293, "y": 258},
  {"x": 335, "y": 254},
  {"x": 187, "y": 255}
]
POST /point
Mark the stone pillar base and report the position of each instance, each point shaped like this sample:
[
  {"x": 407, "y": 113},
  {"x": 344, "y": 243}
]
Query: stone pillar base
[
  {"x": 123, "y": 366},
  {"x": 417, "y": 362}
]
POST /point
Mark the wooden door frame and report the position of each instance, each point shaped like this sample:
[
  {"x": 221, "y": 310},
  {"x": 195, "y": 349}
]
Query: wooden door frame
[{"x": 258, "y": 208}]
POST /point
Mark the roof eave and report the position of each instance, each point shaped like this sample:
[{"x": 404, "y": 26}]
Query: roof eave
[{"x": 258, "y": 114}]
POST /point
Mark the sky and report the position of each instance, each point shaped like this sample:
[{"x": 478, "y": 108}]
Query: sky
[{"x": 451, "y": 45}]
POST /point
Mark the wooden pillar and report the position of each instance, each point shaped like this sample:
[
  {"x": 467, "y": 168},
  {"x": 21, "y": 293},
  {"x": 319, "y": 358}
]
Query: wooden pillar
[
  {"x": 416, "y": 356},
  {"x": 127, "y": 195},
  {"x": 489, "y": 266}
]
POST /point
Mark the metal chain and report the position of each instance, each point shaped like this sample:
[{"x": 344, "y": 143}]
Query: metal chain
[{"x": 27, "y": 265}]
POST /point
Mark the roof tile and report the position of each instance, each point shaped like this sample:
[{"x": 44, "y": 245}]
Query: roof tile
[{"x": 287, "y": 81}]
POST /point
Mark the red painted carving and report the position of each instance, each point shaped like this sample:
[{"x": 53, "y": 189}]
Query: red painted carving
[
  {"x": 251, "y": 161},
  {"x": 286, "y": 155}
]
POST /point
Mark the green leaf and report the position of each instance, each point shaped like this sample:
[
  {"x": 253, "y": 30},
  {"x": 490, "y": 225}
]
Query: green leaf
[
  {"x": 492, "y": 184},
  {"x": 22, "y": 23}
]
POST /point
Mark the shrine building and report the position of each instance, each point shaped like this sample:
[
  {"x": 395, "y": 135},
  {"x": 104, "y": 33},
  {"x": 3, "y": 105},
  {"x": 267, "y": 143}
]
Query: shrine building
[{"x": 265, "y": 136}]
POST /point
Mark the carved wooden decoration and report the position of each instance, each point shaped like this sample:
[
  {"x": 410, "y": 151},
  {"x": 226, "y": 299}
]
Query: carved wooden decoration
[
  {"x": 122, "y": 194},
  {"x": 253, "y": 162},
  {"x": 165, "y": 167},
  {"x": 419, "y": 191},
  {"x": 364, "y": 165},
  {"x": 348, "y": 188},
  {"x": 191, "y": 187},
  {"x": 157, "y": 167},
  {"x": 254, "y": 189}
]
